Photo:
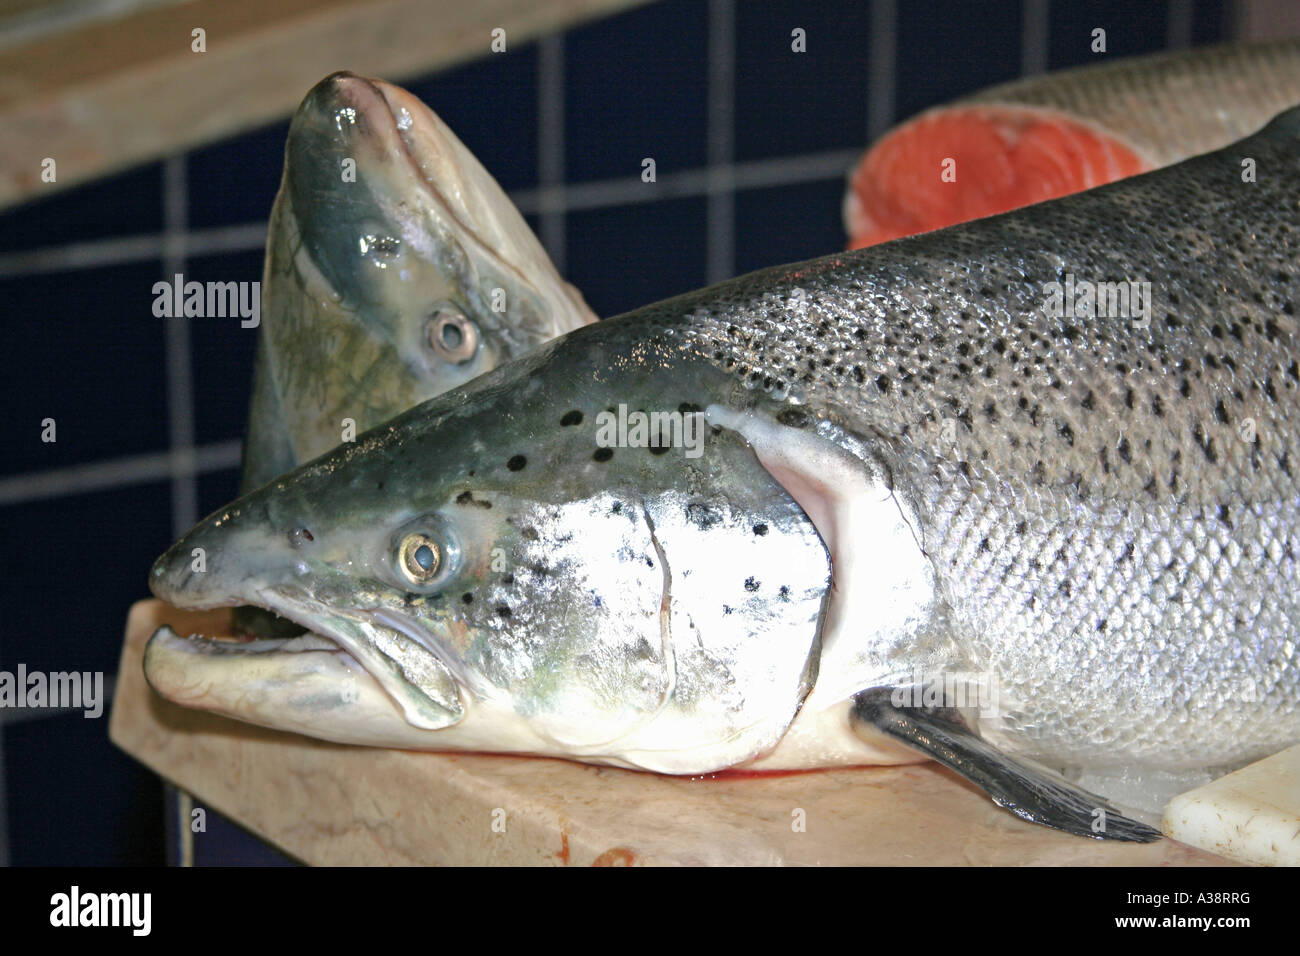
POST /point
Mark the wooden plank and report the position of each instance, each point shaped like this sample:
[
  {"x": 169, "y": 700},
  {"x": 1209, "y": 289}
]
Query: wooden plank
[
  {"x": 114, "y": 94},
  {"x": 330, "y": 804}
]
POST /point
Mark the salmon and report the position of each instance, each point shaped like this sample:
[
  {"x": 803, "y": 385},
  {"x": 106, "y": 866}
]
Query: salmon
[{"x": 1048, "y": 136}]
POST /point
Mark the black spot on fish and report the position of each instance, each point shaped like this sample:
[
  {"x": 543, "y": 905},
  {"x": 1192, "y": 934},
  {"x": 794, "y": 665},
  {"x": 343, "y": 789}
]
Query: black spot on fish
[
  {"x": 1157, "y": 406},
  {"x": 1207, "y": 444},
  {"x": 1067, "y": 433},
  {"x": 793, "y": 417},
  {"x": 1127, "y": 555},
  {"x": 1125, "y": 451},
  {"x": 1101, "y": 625},
  {"x": 529, "y": 533},
  {"x": 760, "y": 529},
  {"x": 701, "y": 515},
  {"x": 571, "y": 418},
  {"x": 517, "y": 463},
  {"x": 467, "y": 498},
  {"x": 467, "y": 598},
  {"x": 1220, "y": 413},
  {"x": 751, "y": 584},
  {"x": 508, "y": 579},
  {"x": 602, "y": 454},
  {"x": 1021, "y": 526},
  {"x": 784, "y": 592},
  {"x": 1087, "y": 402},
  {"x": 503, "y": 611}
]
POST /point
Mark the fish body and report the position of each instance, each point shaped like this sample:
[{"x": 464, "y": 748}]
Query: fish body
[
  {"x": 1043, "y": 137},
  {"x": 925, "y": 464},
  {"x": 396, "y": 268}
]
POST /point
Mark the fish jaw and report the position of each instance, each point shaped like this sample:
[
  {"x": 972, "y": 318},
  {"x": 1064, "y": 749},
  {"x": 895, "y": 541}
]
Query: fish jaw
[
  {"x": 246, "y": 555},
  {"x": 630, "y": 605}
]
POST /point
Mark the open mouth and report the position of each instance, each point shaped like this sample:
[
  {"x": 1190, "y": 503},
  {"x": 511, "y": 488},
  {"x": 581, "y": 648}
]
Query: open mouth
[{"x": 414, "y": 668}]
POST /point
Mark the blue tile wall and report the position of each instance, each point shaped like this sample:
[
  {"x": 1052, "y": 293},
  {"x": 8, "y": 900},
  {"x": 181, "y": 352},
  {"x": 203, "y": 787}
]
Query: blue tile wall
[
  {"x": 234, "y": 181},
  {"x": 90, "y": 356},
  {"x": 635, "y": 89},
  {"x": 627, "y": 256},
  {"x": 125, "y": 204},
  {"x": 222, "y": 352},
  {"x": 789, "y": 103}
]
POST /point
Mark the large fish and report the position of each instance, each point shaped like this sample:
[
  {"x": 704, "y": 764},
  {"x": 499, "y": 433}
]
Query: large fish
[
  {"x": 396, "y": 268},
  {"x": 1046, "y": 136},
  {"x": 941, "y": 507}
]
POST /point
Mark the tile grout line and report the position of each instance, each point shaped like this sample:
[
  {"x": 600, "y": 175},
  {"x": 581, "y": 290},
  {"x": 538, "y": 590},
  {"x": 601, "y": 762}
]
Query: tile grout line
[
  {"x": 10, "y": 717},
  {"x": 595, "y": 194},
  {"x": 118, "y": 250},
  {"x": 550, "y": 148},
  {"x": 180, "y": 405},
  {"x": 176, "y": 331},
  {"x": 1034, "y": 16},
  {"x": 720, "y": 221},
  {"x": 107, "y": 474},
  {"x": 882, "y": 55}
]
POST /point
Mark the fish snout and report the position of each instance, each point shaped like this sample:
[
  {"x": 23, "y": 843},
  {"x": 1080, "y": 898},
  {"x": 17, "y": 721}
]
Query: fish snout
[{"x": 213, "y": 565}]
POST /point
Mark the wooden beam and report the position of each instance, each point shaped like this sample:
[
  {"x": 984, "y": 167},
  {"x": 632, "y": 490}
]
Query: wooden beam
[{"x": 113, "y": 94}]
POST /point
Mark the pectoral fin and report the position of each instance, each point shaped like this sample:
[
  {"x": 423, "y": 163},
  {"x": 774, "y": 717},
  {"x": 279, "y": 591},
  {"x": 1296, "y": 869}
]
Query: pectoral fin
[{"x": 1032, "y": 793}]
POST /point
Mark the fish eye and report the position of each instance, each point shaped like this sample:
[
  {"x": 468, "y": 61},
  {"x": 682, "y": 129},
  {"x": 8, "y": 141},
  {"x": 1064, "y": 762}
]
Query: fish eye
[
  {"x": 452, "y": 336},
  {"x": 419, "y": 558}
]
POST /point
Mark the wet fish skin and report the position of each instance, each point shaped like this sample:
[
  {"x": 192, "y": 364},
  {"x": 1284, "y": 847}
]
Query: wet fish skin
[
  {"x": 360, "y": 271},
  {"x": 1098, "y": 516}
]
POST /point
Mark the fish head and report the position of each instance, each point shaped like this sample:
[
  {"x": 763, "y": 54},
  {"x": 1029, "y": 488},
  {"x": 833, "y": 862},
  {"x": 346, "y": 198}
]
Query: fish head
[
  {"x": 517, "y": 575},
  {"x": 398, "y": 268}
]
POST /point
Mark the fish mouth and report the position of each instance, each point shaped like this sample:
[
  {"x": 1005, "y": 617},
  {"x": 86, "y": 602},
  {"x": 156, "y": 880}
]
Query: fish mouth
[{"x": 372, "y": 656}]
